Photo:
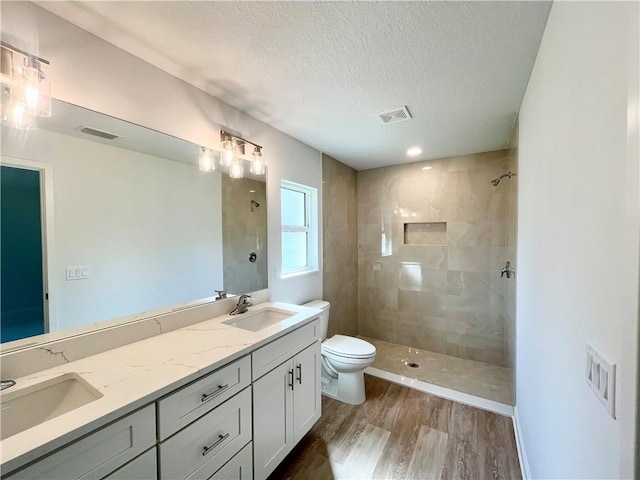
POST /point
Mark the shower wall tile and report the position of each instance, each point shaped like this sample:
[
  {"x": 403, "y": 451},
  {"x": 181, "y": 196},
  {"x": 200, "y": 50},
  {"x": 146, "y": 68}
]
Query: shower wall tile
[
  {"x": 340, "y": 273},
  {"x": 245, "y": 230},
  {"x": 449, "y": 298}
]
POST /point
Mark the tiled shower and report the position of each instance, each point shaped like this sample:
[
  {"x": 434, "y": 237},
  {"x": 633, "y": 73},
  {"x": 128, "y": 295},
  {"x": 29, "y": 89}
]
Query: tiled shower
[{"x": 432, "y": 239}]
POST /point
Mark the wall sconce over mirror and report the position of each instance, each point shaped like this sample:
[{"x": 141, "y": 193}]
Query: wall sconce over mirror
[
  {"x": 232, "y": 156},
  {"x": 26, "y": 88}
]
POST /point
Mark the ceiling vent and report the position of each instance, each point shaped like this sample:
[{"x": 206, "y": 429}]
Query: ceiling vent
[
  {"x": 98, "y": 133},
  {"x": 394, "y": 116}
]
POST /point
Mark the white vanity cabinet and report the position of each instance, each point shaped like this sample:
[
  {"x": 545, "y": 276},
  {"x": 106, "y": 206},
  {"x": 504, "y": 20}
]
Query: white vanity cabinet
[
  {"x": 287, "y": 399},
  {"x": 100, "y": 453},
  {"x": 237, "y": 422},
  {"x": 206, "y": 423}
]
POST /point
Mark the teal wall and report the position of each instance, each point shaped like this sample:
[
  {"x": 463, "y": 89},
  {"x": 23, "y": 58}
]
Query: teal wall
[{"x": 21, "y": 289}]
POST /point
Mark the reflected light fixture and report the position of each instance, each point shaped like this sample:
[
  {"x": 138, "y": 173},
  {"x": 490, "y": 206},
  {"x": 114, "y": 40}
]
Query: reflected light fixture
[
  {"x": 26, "y": 88},
  {"x": 236, "y": 170},
  {"x": 257, "y": 164},
  {"x": 206, "y": 163}
]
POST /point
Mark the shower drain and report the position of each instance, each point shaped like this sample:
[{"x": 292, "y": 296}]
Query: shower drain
[{"x": 411, "y": 364}]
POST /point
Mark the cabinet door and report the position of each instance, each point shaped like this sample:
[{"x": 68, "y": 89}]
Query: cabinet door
[
  {"x": 272, "y": 419},
  {"x": 239, "y": 467},
  {"x": 307, "y": 401}
]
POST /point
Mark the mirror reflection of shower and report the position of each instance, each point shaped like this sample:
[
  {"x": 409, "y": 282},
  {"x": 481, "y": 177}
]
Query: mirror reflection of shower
[
  {"x": 496, "y": 181},
  {"x": 254, "y": 204}
]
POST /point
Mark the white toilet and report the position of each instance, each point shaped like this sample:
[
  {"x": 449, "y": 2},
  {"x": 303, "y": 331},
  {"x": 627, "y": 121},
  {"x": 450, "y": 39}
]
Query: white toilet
[{"x": 343, "y": 361}]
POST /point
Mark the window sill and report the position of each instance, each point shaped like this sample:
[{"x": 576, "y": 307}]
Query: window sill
[{"x": 302, "y": 273}]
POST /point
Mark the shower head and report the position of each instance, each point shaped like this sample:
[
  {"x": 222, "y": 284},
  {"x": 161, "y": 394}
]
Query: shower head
[
  {"x": 496, "y": 181},
  {"x": 254, "y": 204}
]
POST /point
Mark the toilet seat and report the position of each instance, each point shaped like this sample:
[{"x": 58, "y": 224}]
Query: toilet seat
[{"x": 348, "y": 347}]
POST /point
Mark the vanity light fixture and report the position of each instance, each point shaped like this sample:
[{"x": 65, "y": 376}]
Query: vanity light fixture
[
  {"x": 26, "y": 88},
  {"x": 206, "y": 163},
  {"x": 233, "y": 149},
  {"x": 257, "y": 164},
  {"x": 228, "y": 153}
]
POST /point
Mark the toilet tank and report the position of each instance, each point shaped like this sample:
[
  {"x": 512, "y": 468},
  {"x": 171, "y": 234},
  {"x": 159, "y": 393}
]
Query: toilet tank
[{"x": 324, "y": 316}]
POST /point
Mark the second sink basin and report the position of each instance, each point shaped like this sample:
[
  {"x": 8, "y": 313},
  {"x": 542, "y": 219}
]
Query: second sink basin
[
  {"x": 255, "y": 321},
  {"x": 31, "y": 406}
]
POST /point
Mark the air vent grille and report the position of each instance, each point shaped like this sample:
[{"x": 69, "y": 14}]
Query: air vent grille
[
  {"x": 98, "y": 133},
  {"x": 394, "y": 116}
]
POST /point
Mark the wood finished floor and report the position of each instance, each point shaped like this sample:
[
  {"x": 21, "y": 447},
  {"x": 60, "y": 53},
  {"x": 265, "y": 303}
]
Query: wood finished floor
[{"x": 400, "y": 433}]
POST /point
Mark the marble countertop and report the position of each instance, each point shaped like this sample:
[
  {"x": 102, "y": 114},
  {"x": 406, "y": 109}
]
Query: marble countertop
[{"x": 136, "y": 374}]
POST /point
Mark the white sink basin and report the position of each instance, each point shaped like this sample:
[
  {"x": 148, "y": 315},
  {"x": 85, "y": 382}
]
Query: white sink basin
[
  {"x": 256, "y": 321},
  {"x": 33, "y": 405}
]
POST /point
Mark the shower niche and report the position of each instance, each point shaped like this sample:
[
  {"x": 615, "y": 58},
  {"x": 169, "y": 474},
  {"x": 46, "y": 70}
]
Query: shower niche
[{"x": 425, "y": 233}]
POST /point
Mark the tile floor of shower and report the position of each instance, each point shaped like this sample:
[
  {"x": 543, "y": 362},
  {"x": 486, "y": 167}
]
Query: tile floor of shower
[{"x": 484, "y": 380}]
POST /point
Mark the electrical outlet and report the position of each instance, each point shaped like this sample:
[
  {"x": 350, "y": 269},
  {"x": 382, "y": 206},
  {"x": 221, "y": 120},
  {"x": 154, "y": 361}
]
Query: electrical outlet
[{"x": 601, "y": 377}]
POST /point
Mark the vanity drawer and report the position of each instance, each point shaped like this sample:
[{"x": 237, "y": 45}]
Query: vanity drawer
[
  {"x": 273, "y": 354},
  {"x": 239, "y": 467},
  {"x": 182, "y": 407},
  {"x": 199, "y": 450},
  {"x": 100, "y": 453}
]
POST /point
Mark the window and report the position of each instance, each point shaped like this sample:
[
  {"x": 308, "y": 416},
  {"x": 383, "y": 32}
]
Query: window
[{"x": 299, "y": 228}]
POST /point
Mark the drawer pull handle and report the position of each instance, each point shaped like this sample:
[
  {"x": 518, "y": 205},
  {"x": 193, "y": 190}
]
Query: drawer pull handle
[
  {"x": 209, "y": 396},
  {"x": 291, "y": 378},
  {"x": 221, "y": 438},
  {"x": 299, "y": 367}
]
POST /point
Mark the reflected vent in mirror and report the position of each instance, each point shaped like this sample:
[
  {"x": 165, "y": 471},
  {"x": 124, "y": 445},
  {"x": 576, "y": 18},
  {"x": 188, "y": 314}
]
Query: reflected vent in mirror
[{"x": 98, "y": 133}]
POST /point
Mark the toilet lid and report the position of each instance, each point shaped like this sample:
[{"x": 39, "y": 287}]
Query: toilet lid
[{"x": 348, "y": 347}]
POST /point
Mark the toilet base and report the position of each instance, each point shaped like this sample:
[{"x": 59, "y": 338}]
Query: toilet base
[{"x": 347, "y": 388}]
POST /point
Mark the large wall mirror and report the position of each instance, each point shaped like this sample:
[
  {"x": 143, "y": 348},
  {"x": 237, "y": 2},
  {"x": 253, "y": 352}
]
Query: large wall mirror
[{"x": 103, "y": 219}]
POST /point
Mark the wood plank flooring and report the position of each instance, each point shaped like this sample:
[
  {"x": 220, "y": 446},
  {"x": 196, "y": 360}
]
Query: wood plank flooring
[{"x": 400, "y": 433}]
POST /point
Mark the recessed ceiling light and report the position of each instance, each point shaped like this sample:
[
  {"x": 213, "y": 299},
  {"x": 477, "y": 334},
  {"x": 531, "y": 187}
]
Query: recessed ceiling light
[
  {"x": 427, "y": 168},
  {"x": 414, "y": 151}
]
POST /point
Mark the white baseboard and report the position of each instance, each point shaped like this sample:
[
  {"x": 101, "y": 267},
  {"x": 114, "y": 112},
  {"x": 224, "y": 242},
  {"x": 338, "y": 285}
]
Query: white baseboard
[
  {"x": 522, "y": 453},
  {"x": 472, "y": 400}
]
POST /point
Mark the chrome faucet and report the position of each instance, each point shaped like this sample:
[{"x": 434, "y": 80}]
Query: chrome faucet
[
  {"x": 242, "y": 306},
  {"x": 221, "y": 295},
  {"x": 6, "y": 384}
]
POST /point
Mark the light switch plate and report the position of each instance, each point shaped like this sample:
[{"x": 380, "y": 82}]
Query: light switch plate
[
  {"x": 77, "y": 273},
  {"x": 601, "y": 377}
]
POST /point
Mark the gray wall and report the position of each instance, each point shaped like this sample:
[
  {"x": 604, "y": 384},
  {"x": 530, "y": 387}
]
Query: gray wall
[{"x": 340, "y": 244}]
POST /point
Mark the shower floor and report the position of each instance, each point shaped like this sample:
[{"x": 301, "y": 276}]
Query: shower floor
[{"x": 467, "y": 376}]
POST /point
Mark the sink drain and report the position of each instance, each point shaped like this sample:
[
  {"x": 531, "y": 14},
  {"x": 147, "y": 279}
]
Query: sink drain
[{"x": 411, "y": 364}]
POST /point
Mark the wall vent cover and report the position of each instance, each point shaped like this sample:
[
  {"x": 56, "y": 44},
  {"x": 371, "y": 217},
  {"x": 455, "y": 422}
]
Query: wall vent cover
[
  {"x": 394, "y": 116},
  {"x": 98, "y": 133}
]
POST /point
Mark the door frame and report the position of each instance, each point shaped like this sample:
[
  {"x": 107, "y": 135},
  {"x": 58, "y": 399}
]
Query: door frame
[{"x": 50, "y": 287}]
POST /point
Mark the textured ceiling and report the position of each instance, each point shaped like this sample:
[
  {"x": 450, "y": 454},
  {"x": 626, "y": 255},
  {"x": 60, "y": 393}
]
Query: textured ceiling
[{"x": 320, "y": 71}]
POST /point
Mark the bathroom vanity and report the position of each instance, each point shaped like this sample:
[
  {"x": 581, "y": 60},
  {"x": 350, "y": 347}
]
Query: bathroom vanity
[{"x": 225, "y": 398}]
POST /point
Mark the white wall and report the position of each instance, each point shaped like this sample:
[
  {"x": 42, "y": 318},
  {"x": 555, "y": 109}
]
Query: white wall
[
  {"x": 578, "y": 241},
  {"x": 149, "y": 229},
  {"x": 89, "y": 72}
]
